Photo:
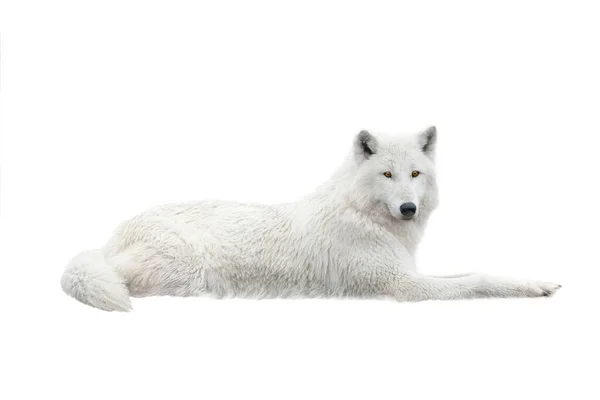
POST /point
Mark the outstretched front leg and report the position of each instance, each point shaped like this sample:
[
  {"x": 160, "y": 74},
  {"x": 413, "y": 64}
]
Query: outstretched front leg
[
  {"x": 452, "y": 275},
  {"x": 409, "y": 286}
]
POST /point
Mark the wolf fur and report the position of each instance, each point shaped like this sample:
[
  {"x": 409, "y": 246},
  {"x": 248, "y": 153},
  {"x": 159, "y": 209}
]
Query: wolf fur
[{"x": 347, "y": 239}]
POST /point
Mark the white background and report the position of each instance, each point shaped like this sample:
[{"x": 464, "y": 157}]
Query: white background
[{"x": 111, "y": 107}]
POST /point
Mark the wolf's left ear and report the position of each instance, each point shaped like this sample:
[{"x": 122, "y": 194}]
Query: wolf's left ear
[{"x": 427, "y": 141}]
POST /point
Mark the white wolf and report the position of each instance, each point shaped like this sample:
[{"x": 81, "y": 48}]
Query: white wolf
[{"x": 355, "y": 236}]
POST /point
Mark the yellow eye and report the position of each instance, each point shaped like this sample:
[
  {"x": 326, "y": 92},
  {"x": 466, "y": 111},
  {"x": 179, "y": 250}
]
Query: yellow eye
[
  {"x": 387, "y": 174},
  {"x": 415, "y": 174}
]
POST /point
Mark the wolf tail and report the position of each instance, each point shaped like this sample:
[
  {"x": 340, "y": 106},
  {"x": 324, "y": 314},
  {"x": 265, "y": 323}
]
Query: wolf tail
[{"x": 90, "y": 279}]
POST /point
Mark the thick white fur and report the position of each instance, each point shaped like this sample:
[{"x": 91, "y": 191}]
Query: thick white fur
[{"x": 348, "y": 238}]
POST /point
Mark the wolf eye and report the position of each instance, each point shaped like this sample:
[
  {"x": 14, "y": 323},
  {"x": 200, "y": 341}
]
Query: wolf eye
[
  {"x": 415, "y": 174},
  {"x": 387, "y": 174}
]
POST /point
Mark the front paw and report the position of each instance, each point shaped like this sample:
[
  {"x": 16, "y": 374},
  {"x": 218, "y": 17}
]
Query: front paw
[{"x": 539, "y": 289}]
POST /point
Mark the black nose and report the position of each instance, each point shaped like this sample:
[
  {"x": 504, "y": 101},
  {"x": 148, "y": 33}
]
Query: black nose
[{"x": 408, "y": 209}]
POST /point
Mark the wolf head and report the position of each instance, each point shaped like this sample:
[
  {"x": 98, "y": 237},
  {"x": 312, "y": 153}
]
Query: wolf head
[{"x": 395, "y": 175}]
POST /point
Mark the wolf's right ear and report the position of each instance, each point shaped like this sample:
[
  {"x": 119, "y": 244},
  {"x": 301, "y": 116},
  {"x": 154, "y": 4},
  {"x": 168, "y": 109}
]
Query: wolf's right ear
[{"x": 365, "y": 145}]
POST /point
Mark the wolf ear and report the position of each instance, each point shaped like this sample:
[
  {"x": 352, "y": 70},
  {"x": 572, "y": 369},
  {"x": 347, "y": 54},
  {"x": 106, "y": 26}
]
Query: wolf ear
[
  {"x": 365, "y": 145},
  {"x": 427, "y": 141}
]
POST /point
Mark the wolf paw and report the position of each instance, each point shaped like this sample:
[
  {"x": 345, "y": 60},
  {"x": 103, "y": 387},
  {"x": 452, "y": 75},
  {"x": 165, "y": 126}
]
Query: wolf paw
[{"x": 546, "y": 289}]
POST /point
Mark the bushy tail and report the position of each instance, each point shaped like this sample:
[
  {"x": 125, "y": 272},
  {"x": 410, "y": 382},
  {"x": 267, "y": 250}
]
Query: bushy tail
[{"x": 92, "y": 281}]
